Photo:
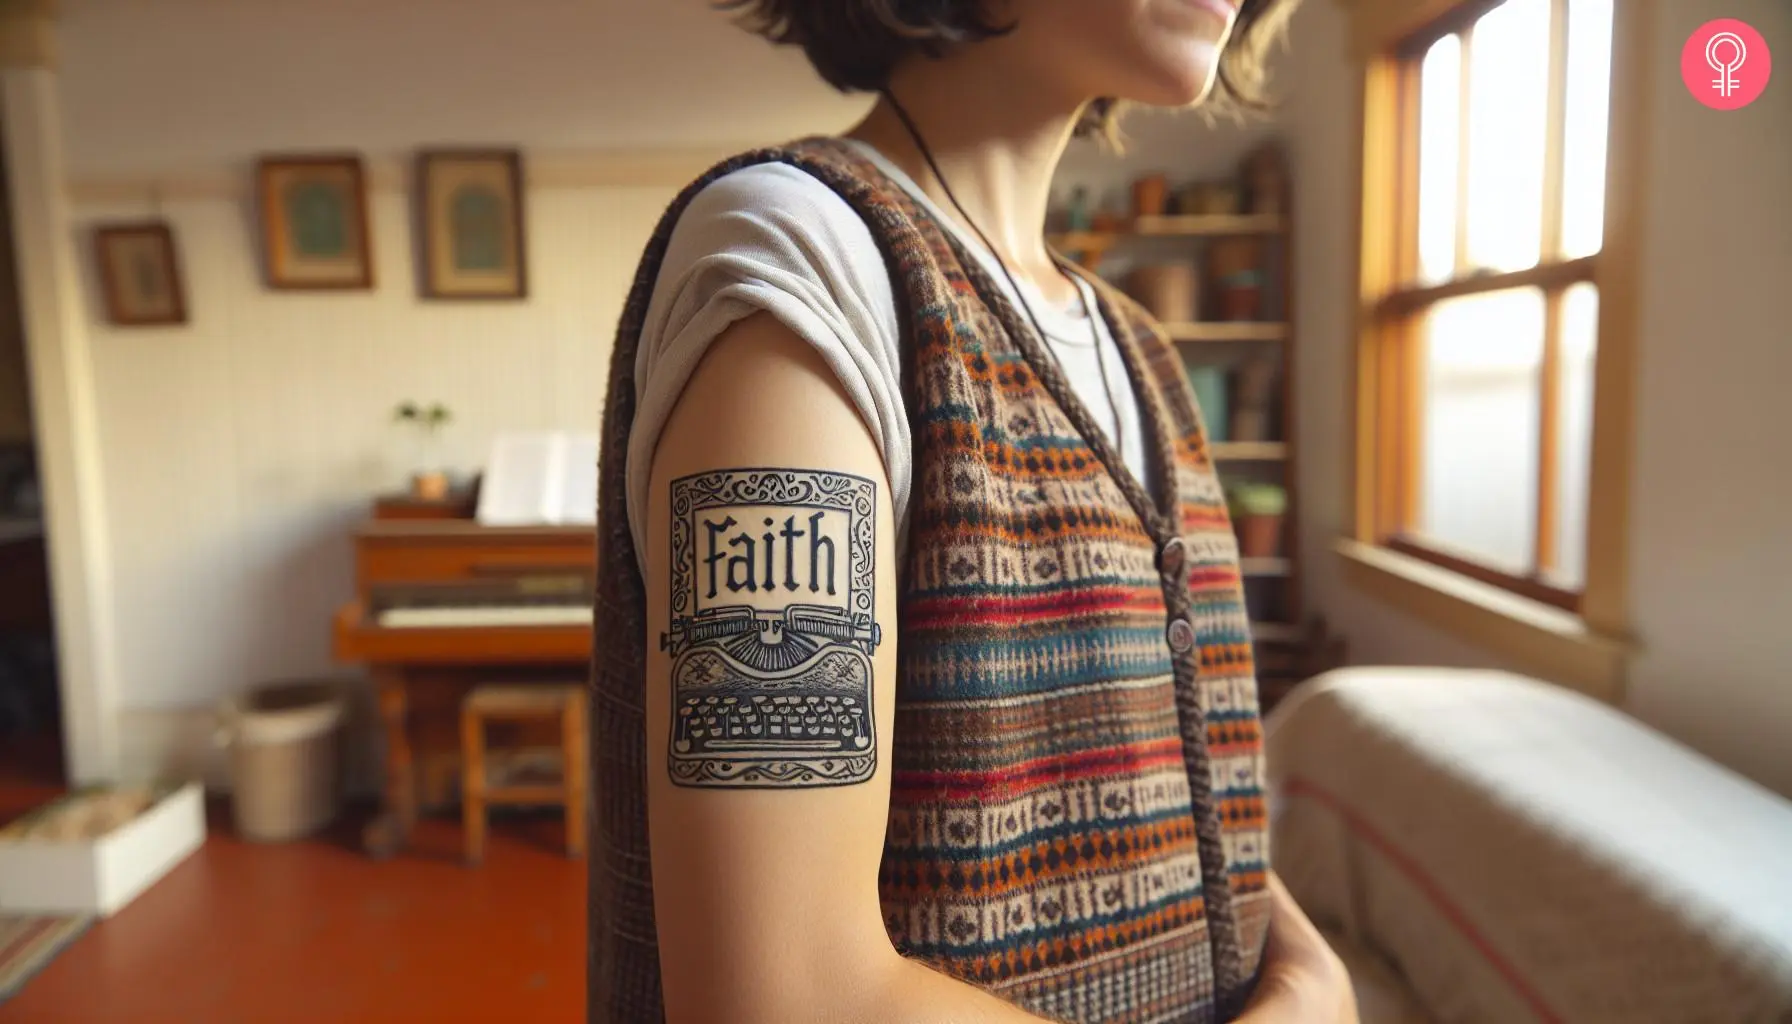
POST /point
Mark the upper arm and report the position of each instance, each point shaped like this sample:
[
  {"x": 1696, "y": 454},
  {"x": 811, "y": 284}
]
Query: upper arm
[
  {"x": 771, "y": 239},
  {"x": 770, "y": 681}
]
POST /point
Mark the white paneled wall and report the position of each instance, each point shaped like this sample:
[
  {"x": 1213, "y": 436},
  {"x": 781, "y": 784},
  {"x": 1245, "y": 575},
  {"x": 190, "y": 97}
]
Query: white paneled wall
[{"x": 242, "y": 448}]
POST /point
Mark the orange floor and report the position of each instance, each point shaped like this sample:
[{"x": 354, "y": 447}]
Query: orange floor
[{"x": 315, "y": 932}]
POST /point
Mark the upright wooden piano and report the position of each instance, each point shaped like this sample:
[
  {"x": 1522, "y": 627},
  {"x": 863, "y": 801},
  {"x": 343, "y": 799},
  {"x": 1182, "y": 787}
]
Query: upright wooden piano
[{"x": 442, "y": 604}]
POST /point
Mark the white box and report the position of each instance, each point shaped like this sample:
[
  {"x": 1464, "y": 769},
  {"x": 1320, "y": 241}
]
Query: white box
[{"x": 100, "y": 876}]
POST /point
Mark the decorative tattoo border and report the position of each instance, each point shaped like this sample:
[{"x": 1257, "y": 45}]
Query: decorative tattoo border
[{"x": 828, "y": 671}]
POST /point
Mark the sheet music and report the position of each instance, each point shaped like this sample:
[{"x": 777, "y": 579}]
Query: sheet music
[
  {"x": 578, "y": 476},
  {"x": 540, "y": 479}
]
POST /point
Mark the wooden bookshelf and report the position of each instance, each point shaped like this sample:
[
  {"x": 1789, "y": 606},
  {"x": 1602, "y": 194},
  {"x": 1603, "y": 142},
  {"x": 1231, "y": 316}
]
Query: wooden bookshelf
[
  {"x": 1081, "y": 241},
  {"x": 1172, "y": 226},
  {"x": 1265, "y": 566},
  {"x": 1275, "y": 632},
  {"x": 1249, "y": 451},
  {"x": 1208, "y": 225},
  {"x": 1272, "y": 585},
  {"x": 1226, "y": 330}
]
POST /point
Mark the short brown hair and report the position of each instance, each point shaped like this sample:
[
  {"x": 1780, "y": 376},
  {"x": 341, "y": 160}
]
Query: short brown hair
[{"x": 855, "y": 44}]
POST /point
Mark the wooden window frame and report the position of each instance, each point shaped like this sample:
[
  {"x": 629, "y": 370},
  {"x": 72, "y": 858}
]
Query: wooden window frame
[{"x": 1579, "y": 638}]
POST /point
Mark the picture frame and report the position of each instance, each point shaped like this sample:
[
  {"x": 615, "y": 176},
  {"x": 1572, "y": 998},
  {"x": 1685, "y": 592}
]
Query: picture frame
[
  {"x": 314, "y": 228},
  {"x": 139, "y": 274},
  {"x": 471, "y": 216}
]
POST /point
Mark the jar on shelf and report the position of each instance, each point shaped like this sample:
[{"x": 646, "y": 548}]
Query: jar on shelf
[
  {"x": 1210, "y": 199},
  {"x": 1170, "y": 291},
  {"x": 1268, "y": 179},
  {"x": 1150, "y": 195},
  {"x": 1234, "y": 266},
  {"x": 1241, "y": 296}
]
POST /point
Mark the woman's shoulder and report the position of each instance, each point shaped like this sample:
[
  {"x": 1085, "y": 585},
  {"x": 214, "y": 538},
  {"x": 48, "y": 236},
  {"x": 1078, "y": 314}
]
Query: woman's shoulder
[
  {"x": 776, "y": 225},
  {"x": 775, "y": 198}
]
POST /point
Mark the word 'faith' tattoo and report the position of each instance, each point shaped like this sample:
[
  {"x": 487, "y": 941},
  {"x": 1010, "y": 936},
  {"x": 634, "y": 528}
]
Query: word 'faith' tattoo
[{"x": 772, "y": 629}]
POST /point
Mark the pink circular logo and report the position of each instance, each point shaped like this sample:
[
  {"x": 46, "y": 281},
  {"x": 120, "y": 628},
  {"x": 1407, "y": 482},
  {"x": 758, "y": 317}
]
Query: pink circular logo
[{"x": 1726, "y": 64}]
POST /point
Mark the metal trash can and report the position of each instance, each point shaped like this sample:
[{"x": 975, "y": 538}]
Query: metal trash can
[{"x": 285, "y": 765}]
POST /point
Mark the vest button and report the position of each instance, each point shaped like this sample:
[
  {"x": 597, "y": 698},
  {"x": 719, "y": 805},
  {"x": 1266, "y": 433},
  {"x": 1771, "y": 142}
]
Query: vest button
[
  {"x": 1181, "y": 636},
  {"x": 1171, "y": 555}
]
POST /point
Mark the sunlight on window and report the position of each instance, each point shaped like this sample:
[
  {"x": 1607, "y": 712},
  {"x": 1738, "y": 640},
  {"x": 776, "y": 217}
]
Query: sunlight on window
[
  {"x": 1440, "y": 121},
  {"x": 1483, "y": 357},
  {"x": 1508, "y": 105},
  {"x": 1574, "y": 432},
  {"x": 1588, "y": 109}
]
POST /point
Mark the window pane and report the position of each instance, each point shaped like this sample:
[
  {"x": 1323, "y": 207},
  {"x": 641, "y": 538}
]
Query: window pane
[
  {"x": 1508, "y": 114},
  {"x": 1574, "y": 438},
  {"x": 1440, "y": 120},
  {"x": 1587, "y": 106},
  {"x": 1482, "y": 358}
]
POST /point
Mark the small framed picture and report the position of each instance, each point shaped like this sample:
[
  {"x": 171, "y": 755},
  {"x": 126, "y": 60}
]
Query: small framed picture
[
  {"x": 139, "y": 274},
  {"x": 314, "y": 222},
  {"x": 470, "y": 205}
]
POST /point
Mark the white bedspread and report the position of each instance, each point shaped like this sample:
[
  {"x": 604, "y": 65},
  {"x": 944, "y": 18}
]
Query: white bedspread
[{"x": 1519, "y": 852}]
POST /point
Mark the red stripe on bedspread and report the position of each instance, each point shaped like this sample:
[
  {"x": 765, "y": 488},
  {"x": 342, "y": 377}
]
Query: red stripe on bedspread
[{"x": 1406, "y": 865}]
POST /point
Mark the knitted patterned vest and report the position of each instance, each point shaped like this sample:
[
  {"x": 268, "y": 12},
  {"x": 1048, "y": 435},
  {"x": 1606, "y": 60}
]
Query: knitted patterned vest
[{"x": 1077, "y": 814}]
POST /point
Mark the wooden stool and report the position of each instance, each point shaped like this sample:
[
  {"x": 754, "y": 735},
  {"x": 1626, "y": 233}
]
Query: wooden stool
[{"x": 513, "y": 703}]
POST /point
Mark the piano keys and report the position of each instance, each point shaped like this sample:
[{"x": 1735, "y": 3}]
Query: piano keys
[
  {"x": 444, "y": 604},
  {"x": 476, "y": 616}
]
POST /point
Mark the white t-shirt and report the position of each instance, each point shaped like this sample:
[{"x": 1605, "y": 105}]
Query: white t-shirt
[{"x": 772, "y": 237}]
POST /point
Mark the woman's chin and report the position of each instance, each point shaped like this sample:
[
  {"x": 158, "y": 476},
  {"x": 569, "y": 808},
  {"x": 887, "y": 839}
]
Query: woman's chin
[{"x": 1181, "y": 86}]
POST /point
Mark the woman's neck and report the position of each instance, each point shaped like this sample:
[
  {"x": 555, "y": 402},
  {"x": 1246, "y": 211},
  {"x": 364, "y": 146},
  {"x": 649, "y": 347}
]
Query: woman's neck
[{"x": 996, "y": 142}]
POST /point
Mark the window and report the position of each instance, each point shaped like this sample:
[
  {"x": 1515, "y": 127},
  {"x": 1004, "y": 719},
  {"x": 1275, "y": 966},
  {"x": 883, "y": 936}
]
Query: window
[{"x": 1482, "y": 303}]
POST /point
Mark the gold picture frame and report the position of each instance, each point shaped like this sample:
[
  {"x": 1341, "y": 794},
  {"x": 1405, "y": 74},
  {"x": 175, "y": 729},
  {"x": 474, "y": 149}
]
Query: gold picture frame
[
  {"x": 139, "y": 273},
  {"x": 470, "y": 208},
  {"x": 314, "y": 222}
]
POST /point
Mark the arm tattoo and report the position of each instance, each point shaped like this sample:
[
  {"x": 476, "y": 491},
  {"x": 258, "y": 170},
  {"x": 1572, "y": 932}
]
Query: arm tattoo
[{"x": 772, "y": 629}]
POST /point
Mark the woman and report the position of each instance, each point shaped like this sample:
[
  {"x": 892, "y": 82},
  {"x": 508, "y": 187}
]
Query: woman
[{"x": 923, "y": 682}]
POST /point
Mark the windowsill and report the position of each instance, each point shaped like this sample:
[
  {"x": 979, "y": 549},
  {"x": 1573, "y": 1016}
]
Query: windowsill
[{"x": 1549, "y": 642}]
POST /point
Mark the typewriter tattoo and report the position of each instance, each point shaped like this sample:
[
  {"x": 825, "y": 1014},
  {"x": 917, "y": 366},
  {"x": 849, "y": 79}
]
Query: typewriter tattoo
[{"x": 772, "y": 629}]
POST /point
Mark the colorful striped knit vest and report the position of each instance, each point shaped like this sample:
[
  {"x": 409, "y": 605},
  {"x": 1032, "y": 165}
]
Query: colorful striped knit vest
[{"x": 1077, "y": 815}]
